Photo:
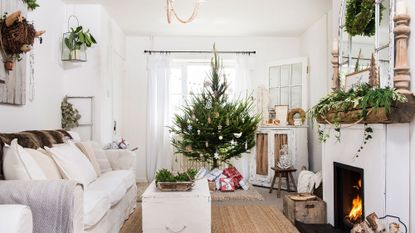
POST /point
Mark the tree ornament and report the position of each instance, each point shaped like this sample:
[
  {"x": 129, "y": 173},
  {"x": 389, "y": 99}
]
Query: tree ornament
[
  {"x": 237, "y": 135},
  {"x": 189, "y": 127},
  {"x": 198, "y": 132},
  {"x": 201, "y": 155},
  {"x": 220, "y": 137},
  {"x": 209, "y": 120},
  {"x": 209, "y": 105},
  {"x": 189, "y": 148},
  {"x": 227, "y": 122},
  {"x": 193, "y": 116},
  {"x": 207, "y": 144},
  {"x": 216, "y": 155},
  {"x": 219, "y": 127},
  {"x": 216, "y": 115},
  {"x": 233, "y": 142}
]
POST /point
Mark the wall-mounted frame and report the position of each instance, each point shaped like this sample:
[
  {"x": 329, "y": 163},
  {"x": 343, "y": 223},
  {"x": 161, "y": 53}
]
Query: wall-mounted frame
[{"x": 354, "y": 79}]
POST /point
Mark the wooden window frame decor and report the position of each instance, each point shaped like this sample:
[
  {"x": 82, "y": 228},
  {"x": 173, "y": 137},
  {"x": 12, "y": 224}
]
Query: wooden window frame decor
[{"x": 281, "y": 114}]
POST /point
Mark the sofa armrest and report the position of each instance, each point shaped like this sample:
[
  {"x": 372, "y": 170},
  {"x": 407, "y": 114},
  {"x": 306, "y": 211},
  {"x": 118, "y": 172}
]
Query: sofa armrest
[
  {"x": 55, "y": 204},
  {"x": 121, "y": 159},
  {"x": 16, "y": 219}
]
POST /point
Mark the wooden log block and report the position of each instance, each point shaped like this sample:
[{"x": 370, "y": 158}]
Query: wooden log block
[
  {"x": 362, "y": 227},
  {"x": 394, "y": 228},
  {"x": 375, "y": 223}
]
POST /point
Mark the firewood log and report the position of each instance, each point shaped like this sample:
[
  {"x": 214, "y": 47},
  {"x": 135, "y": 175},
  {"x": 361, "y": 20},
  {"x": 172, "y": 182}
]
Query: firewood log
[
  {"x": 375, "y": 223},
  {"x": 362, "y": 227},
  {"x": 394, "y": 228}
]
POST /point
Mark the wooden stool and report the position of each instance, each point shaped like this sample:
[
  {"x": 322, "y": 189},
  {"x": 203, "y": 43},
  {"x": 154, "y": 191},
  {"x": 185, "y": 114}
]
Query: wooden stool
[{"x": 287, "y": 173}]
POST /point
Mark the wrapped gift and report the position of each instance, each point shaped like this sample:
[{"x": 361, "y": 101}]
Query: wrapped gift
[
  {"x": 202, "y": 173},
  {"x": 227, "y": 185},
  {"x": 214, "y": 174},
  {"x": 244, "y": 184},
  {"x": 233, "y": 173},
  {"x": 218, "y": 183}
]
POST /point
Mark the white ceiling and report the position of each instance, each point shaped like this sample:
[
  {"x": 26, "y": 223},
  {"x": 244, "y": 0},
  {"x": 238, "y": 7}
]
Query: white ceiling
[{"x": 216, "y": 17}]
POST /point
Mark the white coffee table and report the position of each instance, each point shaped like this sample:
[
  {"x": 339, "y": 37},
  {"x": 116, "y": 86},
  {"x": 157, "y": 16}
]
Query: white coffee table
[{"x": 177, "y": 212}]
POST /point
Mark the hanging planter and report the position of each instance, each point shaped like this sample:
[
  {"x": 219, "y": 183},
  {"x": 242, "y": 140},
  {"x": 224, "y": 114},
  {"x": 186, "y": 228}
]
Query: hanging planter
[{"x": 75, "y": 42}]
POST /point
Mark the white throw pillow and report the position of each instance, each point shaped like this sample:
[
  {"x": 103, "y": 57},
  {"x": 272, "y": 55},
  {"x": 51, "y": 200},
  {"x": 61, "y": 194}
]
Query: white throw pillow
[
  {"x": 18, "y": 164},
  {"x": 100, "y": 156},
  {"x": 73, "y": 164},
  {"x": 46, "y": 163}
]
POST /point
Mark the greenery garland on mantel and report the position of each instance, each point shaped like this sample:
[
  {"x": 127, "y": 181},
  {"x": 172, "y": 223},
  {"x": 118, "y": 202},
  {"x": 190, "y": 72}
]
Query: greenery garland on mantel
[
  {"x": 360, "y": 17},
  {"x": 364, "y": 98}
]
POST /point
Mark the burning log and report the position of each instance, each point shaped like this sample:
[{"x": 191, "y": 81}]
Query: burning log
[{"x": 375, "y": 223}]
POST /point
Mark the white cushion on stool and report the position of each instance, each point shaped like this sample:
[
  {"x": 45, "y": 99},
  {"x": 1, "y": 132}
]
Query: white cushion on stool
[{"x": 16, "y": 219}]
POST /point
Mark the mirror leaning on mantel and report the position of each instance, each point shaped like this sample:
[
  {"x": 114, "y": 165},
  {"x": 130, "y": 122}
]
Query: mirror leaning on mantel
[
  {"x": 372, "y": 48},
  {"x": 379, "y": 42}
]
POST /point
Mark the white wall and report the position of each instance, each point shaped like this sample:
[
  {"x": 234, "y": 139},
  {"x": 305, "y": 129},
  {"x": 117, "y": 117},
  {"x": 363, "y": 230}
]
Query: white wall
[
  {"x": 44, "y": 111},
  {"x": 314, "y": 45},
  {"x": 135, "y": 83},
  {"x": 104, "y": 69}
]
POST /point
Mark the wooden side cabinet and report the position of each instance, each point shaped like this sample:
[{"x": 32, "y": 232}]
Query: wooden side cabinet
[{"x": 266, "y": 153}]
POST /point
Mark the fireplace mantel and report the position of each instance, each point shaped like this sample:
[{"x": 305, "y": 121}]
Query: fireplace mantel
[{"x": 386, "y": 163}]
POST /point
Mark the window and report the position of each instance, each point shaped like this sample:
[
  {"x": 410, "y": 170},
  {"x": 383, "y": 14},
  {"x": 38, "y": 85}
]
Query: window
[
  {"x": 188, "y": 77},
  {"x": 287, "y": 85}
]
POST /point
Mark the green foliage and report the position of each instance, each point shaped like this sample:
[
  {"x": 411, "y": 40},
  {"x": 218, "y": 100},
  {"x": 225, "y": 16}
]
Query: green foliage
[
  {"x": 31, "y": 4},
  {"x": 360, "y": 17},
  {"x": 212, "y": 128},
  {"x": 165, "y": 175},
  {"x": 78, "y": 37},
  {"x": 70, "y": 115},
  {"x": 362, "y": 97}
]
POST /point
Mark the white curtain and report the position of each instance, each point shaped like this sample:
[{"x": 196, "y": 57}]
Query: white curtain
[
  {"x": 159, "y": 153},
  {"x": 243, "y": 88}
]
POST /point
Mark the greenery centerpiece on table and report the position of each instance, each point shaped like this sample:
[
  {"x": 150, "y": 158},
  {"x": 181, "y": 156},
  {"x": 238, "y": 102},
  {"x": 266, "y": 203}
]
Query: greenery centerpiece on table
[
  {"x": 364, "y": 98},
  {"x": 213, "y": 128}
]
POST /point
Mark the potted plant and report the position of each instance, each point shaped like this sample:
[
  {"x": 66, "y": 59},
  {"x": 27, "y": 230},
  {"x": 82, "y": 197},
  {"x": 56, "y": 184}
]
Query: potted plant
[{"x": 76, "y": 41}]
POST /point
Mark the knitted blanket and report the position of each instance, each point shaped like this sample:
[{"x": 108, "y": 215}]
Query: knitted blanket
[{"x": 51, "y": 202}]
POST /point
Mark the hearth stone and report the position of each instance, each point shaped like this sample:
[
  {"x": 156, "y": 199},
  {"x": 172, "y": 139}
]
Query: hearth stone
[{"x": 317, "y": 228}]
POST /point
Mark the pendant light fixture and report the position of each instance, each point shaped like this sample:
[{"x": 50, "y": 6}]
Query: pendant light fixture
[{"x": 172, "y": 13}]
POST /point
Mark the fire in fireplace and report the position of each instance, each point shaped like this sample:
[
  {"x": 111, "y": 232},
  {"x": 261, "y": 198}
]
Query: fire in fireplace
[{"x": 348, "y": 196}]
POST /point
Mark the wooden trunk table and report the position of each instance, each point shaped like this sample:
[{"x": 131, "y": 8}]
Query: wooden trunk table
[
  {"x": 310, "y": 211},
  {"x": 184, "y": 212}
]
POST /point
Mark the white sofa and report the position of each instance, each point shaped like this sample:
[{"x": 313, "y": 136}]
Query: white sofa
[
  {"x": 103, "y": 205},
  {"x": 16, "y": 219}
]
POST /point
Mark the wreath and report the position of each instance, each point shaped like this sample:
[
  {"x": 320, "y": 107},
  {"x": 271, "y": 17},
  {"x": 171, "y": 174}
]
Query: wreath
[
  {"x": 360, "y": 17},
  {"x": 292, "y": 113}
]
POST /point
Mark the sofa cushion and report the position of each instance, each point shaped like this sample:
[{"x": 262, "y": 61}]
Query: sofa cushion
[
  {"x": 88, "y": 151},
  {"x": 46, "y": 163},
  {"x": 96, "y": 205},
  {"x": 73, "y": 163},
  {"x": 114, "y": 184},
  {"x": 19, "y": 164},
  {"x": 16, "y": 219}
]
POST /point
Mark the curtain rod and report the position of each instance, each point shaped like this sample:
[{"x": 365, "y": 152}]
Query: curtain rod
[{"x": 198, "y": 51}]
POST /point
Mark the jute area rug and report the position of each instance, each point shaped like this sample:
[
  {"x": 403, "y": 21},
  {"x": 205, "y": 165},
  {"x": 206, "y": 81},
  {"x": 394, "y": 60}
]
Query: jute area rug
[
  {"x": 235, "y": 219},
  {"x": 238, "y": 195}
]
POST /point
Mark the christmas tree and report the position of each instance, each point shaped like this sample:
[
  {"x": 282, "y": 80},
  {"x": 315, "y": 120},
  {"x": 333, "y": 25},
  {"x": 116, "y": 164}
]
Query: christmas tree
[{"x": 213, "y": 128}]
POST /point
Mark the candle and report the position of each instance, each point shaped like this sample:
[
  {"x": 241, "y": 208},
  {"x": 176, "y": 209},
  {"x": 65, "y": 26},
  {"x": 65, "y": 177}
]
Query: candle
[
  {"x": 335, "y": 45},
  {"x": 401, "y": 8}
]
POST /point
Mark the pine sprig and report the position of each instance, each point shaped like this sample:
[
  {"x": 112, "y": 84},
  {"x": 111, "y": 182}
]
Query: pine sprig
[{"x": 31, "y": 4}]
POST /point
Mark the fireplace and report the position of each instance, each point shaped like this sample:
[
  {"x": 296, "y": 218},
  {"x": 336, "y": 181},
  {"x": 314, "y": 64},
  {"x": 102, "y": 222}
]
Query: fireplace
[{"x": 348, "y": 196}]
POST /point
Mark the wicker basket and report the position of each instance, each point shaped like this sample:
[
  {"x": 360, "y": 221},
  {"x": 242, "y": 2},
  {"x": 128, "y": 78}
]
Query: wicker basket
[{"x": 175, "y": 186}]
